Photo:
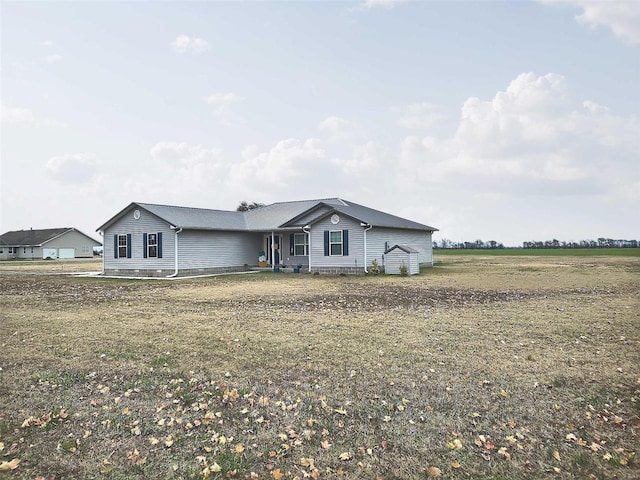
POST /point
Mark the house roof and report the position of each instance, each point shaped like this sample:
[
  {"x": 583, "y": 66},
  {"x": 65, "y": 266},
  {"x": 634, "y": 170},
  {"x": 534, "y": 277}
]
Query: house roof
[
  {"x": 370, "y": 216},
  {"x": 276, "y": 216},
  {"x": 198, "y": 218},
  {"x": 35, "y": 238}
]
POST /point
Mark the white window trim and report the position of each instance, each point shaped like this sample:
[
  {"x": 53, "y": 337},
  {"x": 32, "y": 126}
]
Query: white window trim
[
  {"x": 341, "y": 243},
  {"x": 305, "y": 244},
  {"x": 120, "y": 245},
  {"x": 150, "y": 245}
]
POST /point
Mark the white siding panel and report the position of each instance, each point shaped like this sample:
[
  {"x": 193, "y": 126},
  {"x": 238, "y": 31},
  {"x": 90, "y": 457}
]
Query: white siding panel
[
  {"x": 356, "y": 244},
  {"x": 312, "y": 216},
  {"x": 206, "y": 249},
  {"x": 147, "y": 223},
  {"x": 380, "y": 238}
]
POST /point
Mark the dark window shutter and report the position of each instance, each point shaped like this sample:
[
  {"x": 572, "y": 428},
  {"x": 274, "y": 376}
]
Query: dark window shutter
[
  {"x": 345, "y": 243},
  {"x": 292, "y": 250},
  {"x": 128, "y": 245},
  {"x": 144, "y": 245},
  {"x": 326, "y": 243},
  {"x": 159, "y": 237},
  {"x": 115, "y": 246}
]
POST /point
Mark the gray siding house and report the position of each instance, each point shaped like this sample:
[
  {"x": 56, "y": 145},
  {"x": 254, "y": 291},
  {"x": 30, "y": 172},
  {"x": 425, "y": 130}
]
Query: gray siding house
[
  {"x": 52, "y": 243},
  {"x": 327, "y": 236}
]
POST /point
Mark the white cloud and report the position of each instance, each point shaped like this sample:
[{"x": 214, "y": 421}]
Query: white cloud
[
  {"x": 387, "y": 4},
  {"x": 420, "y": 116},
  {"x": 187, "y": 44},
  {"x": 622, "y": 17},
  {"x": 529, "y": 139},
  {"x": 368, "y": 162},
  {"x": 222, "y": 102},
  {"x": 26, "y": 116},
  {"x": 288, "y": 160},
  {"x": 15, "y": 114},
  {"x": 78, "y": 168},
  {"x": 55, "y": 58},
  {"x": 339, "y": 129},
  {"x": 188, "y": 164},
  {"x": 47, "y": 43}
]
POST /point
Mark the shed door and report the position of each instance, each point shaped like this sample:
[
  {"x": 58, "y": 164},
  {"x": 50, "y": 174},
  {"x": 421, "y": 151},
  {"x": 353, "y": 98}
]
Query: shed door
[{"x": 67, "y": 253}]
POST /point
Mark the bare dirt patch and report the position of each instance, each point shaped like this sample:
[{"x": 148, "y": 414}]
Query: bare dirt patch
[{"x": 479, "y": 368}]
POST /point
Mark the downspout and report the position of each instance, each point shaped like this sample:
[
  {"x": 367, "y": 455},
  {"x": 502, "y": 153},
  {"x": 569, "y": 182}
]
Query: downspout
[
  {"x": 369, "y": 227},
  {"x": 307, "y": 229},
  {"x": 175, "y": 272}
]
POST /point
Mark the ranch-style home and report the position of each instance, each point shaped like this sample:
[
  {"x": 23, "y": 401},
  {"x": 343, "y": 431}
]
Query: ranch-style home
[
  {"x": 325, "y": 236},
  {"x": 51, "y": 243}
]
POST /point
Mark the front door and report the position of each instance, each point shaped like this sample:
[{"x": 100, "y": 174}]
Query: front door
[{"x": 277, "y": 244}]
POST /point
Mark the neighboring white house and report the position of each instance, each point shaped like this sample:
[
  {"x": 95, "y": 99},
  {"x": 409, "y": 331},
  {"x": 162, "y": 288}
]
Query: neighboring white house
[
  {"x": 326, "y": 236},
  {"x": 50, "y": 243}
]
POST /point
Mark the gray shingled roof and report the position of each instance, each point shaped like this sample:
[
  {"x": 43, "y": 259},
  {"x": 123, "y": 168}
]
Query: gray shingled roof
[
  {"x": 276, "y": 216},
  {"x": 404, "y": 248},
  {"x": 198, "y": 218},
  {"x": 377, "y": 218},
  {"x": 31, "y": 238}
]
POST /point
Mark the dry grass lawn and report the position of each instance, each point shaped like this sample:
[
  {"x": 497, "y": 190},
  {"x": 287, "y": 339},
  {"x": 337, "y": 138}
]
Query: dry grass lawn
[{"x": 480, "y": 367}]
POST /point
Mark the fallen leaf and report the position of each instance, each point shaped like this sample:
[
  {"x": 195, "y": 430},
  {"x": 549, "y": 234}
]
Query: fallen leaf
[
  {"x": 215, "y": 467},
  {"x": 239, "y": 448},
  {"x": 277, "y": 474},
  {"x": 345, "y": 456},
  {"x": 12, "y": 465},
  {"x": 341, "y": 411},
  {"x": 434, "y": 471},
  {"x": 455, "y": 464},
  {"x": 556, "y": 455},
  {"x": 325, "y": 444},
  {"x": 455, "y": 445}
]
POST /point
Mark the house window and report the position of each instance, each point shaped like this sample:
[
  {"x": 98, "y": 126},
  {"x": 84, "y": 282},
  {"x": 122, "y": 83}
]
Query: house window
[
  {"x": 335, "y": 243},
  {"x": 122, "y": 246},
  {"x": 152, "y": 245},
  {"x": 300, "y": 245}
]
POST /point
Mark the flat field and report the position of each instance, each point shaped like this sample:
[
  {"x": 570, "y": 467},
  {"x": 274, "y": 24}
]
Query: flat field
[{"x": 480, "y": 367}]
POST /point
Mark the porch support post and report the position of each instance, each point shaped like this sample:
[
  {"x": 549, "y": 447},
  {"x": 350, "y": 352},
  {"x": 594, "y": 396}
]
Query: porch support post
[{"x": 273, "y": 252}]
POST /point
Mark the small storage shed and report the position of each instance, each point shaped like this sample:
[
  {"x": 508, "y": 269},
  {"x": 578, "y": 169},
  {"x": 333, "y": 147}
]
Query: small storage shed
[{"x": 399, "y": 255}]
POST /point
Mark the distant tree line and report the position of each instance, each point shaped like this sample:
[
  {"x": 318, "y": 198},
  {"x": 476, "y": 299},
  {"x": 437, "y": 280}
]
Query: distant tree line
[
  {"x": 493, "y": 245},
  {"x": 600, "y": 243},
  {"x": 478, "y": 244}
]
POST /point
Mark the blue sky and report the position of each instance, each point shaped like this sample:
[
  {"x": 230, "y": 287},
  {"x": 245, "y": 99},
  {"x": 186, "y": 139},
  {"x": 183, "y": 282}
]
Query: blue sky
[{"x": 509, "y": 121}]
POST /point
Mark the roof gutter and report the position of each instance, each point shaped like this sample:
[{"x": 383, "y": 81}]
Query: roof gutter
[
  {"x": 175, "y": 272},
  {"x": 367, "y": 228}
]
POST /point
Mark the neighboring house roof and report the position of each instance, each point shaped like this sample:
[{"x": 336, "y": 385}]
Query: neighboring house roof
[
  {"x": 404, "y": 248},
  {"x": 36, "y": 238},
  {"x": 276, "y": 216}
]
